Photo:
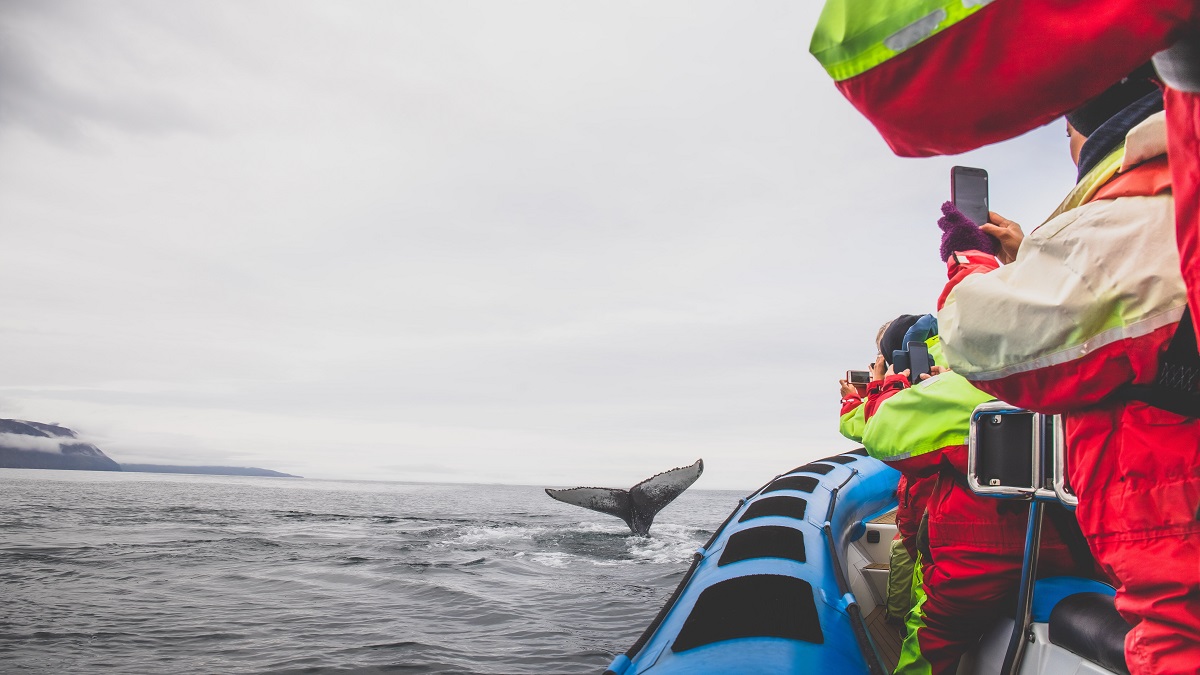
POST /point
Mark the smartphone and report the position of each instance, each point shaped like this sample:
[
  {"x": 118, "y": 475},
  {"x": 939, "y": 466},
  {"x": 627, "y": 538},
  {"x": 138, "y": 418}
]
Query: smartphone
[
  {"x": 859, "y": 379},
  {"x": 899, "y": 361},
  {"x": 919, "y": 362},
  {"x": 969, "y": 192}
]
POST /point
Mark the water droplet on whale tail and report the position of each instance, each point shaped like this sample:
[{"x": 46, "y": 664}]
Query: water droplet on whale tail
[{"x": 638, "y": 505}]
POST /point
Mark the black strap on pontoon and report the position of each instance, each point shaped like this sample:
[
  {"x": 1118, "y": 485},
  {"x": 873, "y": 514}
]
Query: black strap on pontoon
[{"x": 1174, "y": 389}]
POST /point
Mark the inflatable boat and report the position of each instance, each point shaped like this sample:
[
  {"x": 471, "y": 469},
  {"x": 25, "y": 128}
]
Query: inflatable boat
[{"x": 794, "y": 582}]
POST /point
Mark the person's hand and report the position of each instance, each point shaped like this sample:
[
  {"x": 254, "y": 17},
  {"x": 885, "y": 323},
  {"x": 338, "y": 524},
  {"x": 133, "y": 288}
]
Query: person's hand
[
  {"x": 880, "y": 369},
  {"x": 848, "y": 389},
  {"x": 1007, "y": 232},
  {"x": 934, "y": 371}
]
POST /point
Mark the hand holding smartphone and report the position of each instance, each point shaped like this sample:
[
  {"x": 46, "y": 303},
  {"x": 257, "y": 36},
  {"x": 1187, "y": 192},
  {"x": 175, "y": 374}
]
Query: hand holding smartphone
[{"x": 919, "y": 362}]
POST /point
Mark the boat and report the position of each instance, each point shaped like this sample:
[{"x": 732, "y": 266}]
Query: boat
[{"x": 794, "y": 582}]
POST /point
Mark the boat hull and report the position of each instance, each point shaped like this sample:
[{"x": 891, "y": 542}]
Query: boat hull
[{"x": 769, "y": 592}]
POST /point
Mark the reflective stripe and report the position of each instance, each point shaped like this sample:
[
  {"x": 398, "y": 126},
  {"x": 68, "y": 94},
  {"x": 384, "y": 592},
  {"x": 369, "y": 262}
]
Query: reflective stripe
[
  {"x": 1136, "y": 330},
  {"x": 854, "y": 36}
]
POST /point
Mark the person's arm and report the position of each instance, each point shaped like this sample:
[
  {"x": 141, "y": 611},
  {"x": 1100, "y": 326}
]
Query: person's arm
[
  {"x": 850, "y": 403},
  {"x": 961, "y": 265},
  {"x": 881, "y": 390},
  {"x": 1086, "y": 308},
  {"x": 916, "y": 428},
  {"x": 966, "y": 250},
  {"x": 850, "y": 395},
  {"x": 852, "y": 420}
]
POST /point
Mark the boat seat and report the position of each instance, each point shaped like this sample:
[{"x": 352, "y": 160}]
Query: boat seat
[{"x": 1088, "y": 624}]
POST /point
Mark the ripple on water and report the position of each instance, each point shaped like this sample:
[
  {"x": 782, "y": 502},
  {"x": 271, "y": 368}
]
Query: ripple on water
[{"x": 252, "y": 575}]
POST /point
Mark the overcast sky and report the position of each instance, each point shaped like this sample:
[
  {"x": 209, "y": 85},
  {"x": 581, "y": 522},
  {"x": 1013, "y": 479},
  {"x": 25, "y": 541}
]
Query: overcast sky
[{"x": 553, "y": 243}]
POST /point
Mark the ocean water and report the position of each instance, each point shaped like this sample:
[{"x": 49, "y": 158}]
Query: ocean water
[{"x": 155, "y": 573}]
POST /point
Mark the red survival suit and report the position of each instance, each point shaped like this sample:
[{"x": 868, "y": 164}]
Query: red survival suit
[
  {"x": 975, "y": 543},
  {"x": 1090, "y": 305},
  {"x": 912, "y": 493}
]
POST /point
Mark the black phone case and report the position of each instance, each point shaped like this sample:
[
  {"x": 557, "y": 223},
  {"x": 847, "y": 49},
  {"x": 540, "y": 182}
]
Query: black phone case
[
  {"x": 976, "y": 211},
  {"x": 919, "y": 362}
]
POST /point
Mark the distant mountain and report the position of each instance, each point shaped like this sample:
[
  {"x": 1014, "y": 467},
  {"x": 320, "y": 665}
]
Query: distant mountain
[
  {"x": 33, "y": 445},
  {"x": 207, "y": 470}
]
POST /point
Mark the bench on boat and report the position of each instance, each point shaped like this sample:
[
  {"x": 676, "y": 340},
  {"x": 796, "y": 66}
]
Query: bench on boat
[{"x": 1087, "y": 624}]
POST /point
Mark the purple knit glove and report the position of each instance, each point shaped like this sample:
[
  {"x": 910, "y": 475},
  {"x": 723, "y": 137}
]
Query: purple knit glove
[{"x": 960, "y": 234}]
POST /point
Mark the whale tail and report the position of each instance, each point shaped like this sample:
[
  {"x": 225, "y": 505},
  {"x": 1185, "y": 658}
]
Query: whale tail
[{"x": 638, "y": 505}]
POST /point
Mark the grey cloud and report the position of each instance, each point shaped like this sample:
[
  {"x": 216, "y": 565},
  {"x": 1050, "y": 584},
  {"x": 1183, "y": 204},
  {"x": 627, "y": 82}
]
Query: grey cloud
[
  {"x": 66, "y": 71},
  {"x": 34, "y": 443}
]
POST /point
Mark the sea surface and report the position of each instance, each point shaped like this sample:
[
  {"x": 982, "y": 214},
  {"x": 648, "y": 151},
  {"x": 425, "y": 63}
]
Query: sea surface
[{"x": 156, "y": 573}]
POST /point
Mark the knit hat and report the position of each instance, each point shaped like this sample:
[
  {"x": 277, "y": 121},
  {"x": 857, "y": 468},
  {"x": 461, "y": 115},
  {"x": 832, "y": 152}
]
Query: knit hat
[
  {"x": 1089, "y": 116},
  {"x": 893, "y": 337}
]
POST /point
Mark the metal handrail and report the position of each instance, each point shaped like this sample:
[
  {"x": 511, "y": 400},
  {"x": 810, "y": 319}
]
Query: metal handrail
[
  {"x": 1029, "y": 563},
  {"x": 1061, "y": 490}
]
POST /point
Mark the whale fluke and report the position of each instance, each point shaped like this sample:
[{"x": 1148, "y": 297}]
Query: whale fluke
[{"x": 638, "y": 505}]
